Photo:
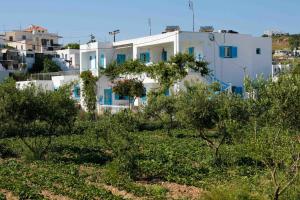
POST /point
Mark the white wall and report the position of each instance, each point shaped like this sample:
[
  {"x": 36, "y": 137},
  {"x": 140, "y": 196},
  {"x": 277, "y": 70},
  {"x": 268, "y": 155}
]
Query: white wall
[
  {"x": 231, "y": 70},
  {"x": 71, "y": 55},
  {"x": 59, "y": 81},
  {"x": 3, "y": 75},
  {"x": 95, "y": 50},
  {"x": 42, "y": 84}
]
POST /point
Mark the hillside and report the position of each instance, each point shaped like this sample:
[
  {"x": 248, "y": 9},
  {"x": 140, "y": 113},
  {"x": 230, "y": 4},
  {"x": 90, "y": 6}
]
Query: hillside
[
  {"x": 280, "y": 42},
  {"x": 286, "y": 42}
]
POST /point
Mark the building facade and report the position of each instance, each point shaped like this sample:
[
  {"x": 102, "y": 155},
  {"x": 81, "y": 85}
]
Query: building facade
[
  {"x": 34, "y": 38},
  {"x": 231, "y": 56},
  {"x": 71, "y": 57}
]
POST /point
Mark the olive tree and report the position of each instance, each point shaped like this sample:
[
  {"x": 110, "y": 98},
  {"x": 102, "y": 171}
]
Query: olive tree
[
  {"x": 163, "y": 108},
  {"x": 36, "y": 116},
  {"x": 216, "y": 117},
  {"x": 279, "y": 151},
  {"x": 131, "y": 88}
]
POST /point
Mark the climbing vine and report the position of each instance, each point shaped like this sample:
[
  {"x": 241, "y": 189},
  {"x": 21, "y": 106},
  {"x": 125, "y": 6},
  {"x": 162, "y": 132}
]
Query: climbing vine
[
  {"x": 89, "y": 91},
  {"x": 166, "y": 73}
]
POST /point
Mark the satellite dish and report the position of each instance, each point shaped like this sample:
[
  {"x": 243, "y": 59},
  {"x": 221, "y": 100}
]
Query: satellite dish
[{"x": 211, "y": 37}]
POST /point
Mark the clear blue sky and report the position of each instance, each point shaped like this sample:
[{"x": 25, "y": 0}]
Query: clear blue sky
[{"x": 76, "y": 19}]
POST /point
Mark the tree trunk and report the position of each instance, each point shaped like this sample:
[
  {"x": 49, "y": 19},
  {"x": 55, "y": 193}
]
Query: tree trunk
[{"x": 276, "y": 195}]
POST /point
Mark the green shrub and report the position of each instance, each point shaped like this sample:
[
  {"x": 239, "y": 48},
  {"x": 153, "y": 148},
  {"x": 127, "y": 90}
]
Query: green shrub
[{"x": 2, "y": 196}]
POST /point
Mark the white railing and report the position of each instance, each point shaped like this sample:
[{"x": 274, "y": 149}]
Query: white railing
[
  {"x": 111, "y": 108},
  {"x": 278, "y": 69}
]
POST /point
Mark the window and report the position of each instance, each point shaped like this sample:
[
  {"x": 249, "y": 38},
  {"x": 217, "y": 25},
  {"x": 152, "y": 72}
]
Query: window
[
  {"x": 258, "y": 51},
  {"x": 191, "y": 51},
  {"x": 164, "y": 55},
  {"x": 228, "y": 52},
  {"x": 29, "y": 55},
  {"x": 11, "y": 38},
  {"x": 44, "y": 42},
  {"x": 23, "y": 37},
  {"x": 121, "y": 58},
  {"x": 120, "y": 97},
  {"x": 76, "y": 92},
  {"x": 102, "y": 60},
  {"x": 145, "y": 57}
]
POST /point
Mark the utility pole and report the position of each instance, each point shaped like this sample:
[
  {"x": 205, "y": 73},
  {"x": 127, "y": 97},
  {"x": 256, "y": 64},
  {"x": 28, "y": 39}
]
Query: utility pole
[
  {"x": 114, "y": 33},
  {"x": 150, "y": 25},
  {"x": 191, "y": 7}
]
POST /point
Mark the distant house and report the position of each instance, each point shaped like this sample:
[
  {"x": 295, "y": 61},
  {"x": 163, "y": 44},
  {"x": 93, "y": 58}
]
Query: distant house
[
  {"x": 34, "y": 38},
  {"x": 231, "y": 56},
  {"x": 71, "y": 57},
  {"x": 10, "y": 59}
]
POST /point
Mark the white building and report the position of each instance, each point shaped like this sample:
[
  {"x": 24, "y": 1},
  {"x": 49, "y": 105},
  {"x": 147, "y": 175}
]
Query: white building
[
  {"x": 2, "y": 43},
  {"x": 231, "y": 56},
  {"x": 54, "y": 84},
  {"x": 71, "y": 57},
  {"x": 42, "y": 84},
  {"x": 3, "y": 73},
  {"x": 35, "y": 38}
]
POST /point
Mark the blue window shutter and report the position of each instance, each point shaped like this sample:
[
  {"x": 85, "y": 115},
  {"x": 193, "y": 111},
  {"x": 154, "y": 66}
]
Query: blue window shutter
[
  {"x": 142, "y": 57},
  {"x": 117, "y": 97},
  {"x": 102, "y": 60},
  {"x": 234, "y": 51},
  {"x": 107, "y": 96},
  {"x": 147, "y": 57},
  {"x": 167, "y": 92},
  {"x": 222, "y": 51},
  {"x": 121, "y": 58},
  {"x": 192, "y": 51},
  {"x": 164, "y": 56}
]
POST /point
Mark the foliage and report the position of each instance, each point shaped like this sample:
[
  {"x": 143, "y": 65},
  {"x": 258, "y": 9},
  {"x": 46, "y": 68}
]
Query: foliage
[
  {"x": 131, "y": 88},
  {"x": 163, "y": 108},
  {"x": 89, "y": 84},
  {"x": 44, "y": 64},
  {"x": 274, "y": 103},
  {"x": 230, "y": 147},
  {"x": 166, "y": 73},
  {"x": 35, "y": 112},
  {"x": 294, "y": 41},
  {"x": 280, "y": 153},
  {"x": 50, "y": 66},
  {"x": 72, "y": 46},
  {"x": 130, "y": 67}
]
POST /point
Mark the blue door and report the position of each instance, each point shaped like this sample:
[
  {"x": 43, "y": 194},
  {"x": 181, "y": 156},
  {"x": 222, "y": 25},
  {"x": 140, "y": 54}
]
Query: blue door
[
  {"x": 121, "y": 58},
  {"x": 107, "y": 96},
  {"x": 164, "y": 56},
  {"x": 145, "y": 57},
  {"x": 191, "y": 51}
]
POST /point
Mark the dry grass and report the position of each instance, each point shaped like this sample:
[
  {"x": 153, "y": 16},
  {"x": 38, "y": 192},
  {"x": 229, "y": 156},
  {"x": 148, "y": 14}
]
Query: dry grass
[
  {"x": 9, "y": 195},
  {"x": 51, "y": 196}
]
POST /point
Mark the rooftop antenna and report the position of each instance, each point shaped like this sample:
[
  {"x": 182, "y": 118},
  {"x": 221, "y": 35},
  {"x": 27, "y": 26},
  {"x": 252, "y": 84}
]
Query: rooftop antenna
[
  {"x": 114, "y": 33},
  {"x": 93, "y": 39},
  {"x": 191, "y": 7},
  {"x": 150, "y": 25}
]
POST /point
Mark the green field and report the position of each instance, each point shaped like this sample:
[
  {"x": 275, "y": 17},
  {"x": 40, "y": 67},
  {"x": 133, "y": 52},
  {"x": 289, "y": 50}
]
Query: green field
[{"x": 78, "y": 167}]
